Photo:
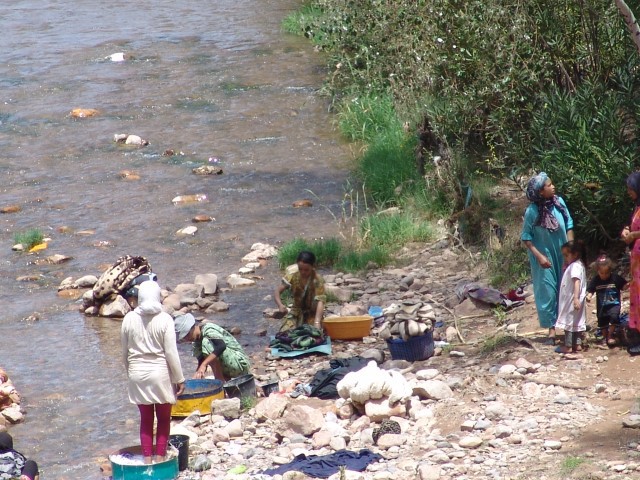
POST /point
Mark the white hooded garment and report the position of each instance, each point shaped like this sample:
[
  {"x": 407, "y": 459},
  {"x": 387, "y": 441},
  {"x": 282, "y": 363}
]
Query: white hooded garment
[{"x": 149, "y": 350}]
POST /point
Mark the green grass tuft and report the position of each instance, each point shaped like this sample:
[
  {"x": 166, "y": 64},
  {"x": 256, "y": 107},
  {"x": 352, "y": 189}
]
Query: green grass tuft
[
  {"x": 29, "y": 238},
  {"x": 393, "y": 230},
  {"x": 494, "y": 343},
  {"x": 570, "y": 463},
  {"x": 326, "y": 251}
]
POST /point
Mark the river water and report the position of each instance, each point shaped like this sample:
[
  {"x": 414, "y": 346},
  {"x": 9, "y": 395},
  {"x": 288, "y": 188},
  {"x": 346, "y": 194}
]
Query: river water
[{"x": 209, "y": 79}]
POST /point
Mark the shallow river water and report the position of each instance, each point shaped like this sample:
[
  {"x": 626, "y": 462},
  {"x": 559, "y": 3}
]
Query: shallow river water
[{"x": 209, "y": 79}]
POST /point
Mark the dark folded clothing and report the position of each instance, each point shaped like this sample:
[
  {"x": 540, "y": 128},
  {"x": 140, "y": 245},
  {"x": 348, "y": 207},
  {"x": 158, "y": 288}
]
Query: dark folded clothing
[{"x": 326, "y": 465}]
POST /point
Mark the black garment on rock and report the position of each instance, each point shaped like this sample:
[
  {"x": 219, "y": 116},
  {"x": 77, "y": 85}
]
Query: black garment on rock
[
  {"x": 324, "y": 466},
  {"x": 324, "y": 382}
]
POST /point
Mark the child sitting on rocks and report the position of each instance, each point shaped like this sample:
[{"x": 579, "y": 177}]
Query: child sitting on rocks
[{"x": 13, "y": 464}]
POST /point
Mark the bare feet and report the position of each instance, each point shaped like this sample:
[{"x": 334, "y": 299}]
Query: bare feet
[
  {"x": 147, "y": 461},
  {"x": 161, "y": 458}
]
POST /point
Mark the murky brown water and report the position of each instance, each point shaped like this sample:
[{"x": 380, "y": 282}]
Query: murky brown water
[{"x": 210, "y": 79}]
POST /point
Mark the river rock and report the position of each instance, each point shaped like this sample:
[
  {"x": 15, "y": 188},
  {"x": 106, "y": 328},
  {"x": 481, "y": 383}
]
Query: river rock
[
  {"x": 202, "y": 219},
  {"x": 495, "y": 410},
  {"x": 552, "y": 444},
  {"x": 208, "y": 281},
  {"x": 374, "y": 354},
  {"x": 389, "y": 440},
  {"x": 229, "y": 408},
  {"x": 427, "y": 374},
  {"x": 207, "y": 170},
  {"x": 302, "y": 419},
  {"x": 83, "y": 112},
  {"x": 302, "y": 203},
  {"x": 633, "y": 421},
  {"x": 234, "y": 429},
  {"x": 87, "y": 281},
  {"x": 271, "y": 408},
  {"x": 218, "y": 306},
  {"x": 172, "y": 301},
  {"x": 380, "y": 409},
  {"x": 428, "y": 472},
  {"x": 470, "y": 442},
  {"x": 235, "y": 281},
  {"x": 116, "y": 57},
  {"x": 10, "y": 209},
  {"x": 189, "y": 293},
  {"x": 260, "y": 250},
  {"x": 321, "y": 439},
  {"x": 186, "y": 231},
  {"x": 118, "y": 307},
  {"x": 338, "y": 443},
  {"x": 129, "y": 175},
  {"x": 432, "y": 389},
  {"x": 219, "y": 435},
  {"x": 13, "y": 414}
]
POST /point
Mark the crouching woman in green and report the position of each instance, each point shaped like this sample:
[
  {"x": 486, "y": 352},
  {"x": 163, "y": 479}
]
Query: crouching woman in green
[{"x": 214, "y": 347}]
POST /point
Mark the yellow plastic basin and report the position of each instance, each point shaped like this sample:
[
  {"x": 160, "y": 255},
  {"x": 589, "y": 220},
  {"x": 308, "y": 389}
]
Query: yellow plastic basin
[
  {"x": 348, "y": 328},
  {"x": 198, "y": 394}
]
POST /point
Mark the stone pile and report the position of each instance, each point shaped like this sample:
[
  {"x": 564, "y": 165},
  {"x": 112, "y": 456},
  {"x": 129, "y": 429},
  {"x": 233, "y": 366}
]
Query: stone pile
[{"x": 10, "y": 411}]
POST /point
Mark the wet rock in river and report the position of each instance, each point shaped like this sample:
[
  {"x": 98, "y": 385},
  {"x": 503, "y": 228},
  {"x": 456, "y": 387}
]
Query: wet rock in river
[
  {"x": 116, "y": 57},
  {"x": 207, "y": 170},
  {"x": 235, "y": 281},
  {"x": 117, "y": 307},
  {"x": 11, "y": 209},
  {"x": 127, "y": 139},
  {"x": 84, "y": 112},
  {"x": 202, "y": 219},
  {"x": 304, "y": 203},
  {"x": 208, "y": 281},
  {"x": 187, "y": 231},
  {"x": 260, "y": 251},
  {"x": 129, "y": 175}
]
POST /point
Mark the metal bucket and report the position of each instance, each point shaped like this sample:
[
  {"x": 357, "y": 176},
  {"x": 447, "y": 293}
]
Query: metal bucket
[
  {"x": 269, "y": 388},
  {"x": 241, "y": 387},
  {"x": 198, "y": 394}
]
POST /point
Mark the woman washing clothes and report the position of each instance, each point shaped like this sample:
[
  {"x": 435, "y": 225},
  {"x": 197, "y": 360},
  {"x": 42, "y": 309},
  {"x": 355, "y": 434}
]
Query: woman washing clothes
[
  {"x": 151, "y": 358},
  {"x": 214, "y": 347},
  {"x": 13, "y": 464},
  {"x": 547, "y": 227},
  {"x": 307, "y": 288}
]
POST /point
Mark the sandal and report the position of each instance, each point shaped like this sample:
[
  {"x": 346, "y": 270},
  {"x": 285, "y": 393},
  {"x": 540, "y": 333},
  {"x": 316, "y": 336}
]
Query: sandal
[
  {"x": 634, "y": 350},
  {"x": 549, "y": 341}
]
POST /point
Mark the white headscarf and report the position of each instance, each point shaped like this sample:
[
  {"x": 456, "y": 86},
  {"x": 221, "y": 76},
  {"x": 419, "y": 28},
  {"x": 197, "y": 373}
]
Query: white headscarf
[{"x": 149, "y": 298}]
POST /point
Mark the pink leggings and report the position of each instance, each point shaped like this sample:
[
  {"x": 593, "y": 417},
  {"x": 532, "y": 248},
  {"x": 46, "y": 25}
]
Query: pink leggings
[{"x": 163, "y": 414}]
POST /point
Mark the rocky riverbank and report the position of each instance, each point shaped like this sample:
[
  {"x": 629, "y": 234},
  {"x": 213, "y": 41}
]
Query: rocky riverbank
[{"x": 480, "y": 408}]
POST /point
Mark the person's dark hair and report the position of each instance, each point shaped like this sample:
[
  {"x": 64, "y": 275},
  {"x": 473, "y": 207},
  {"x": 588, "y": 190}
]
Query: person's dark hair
[
  {"x": 306, "y": 257},
  {"x": 577, "y": 247},
  {"x": 604, "y": 261}
]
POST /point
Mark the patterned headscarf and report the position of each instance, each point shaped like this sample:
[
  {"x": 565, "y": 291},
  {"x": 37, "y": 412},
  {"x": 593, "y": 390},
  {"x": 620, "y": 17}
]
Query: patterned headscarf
[
  {"x": 633, "y": 182},
  {"x": 546, "y": 218}
]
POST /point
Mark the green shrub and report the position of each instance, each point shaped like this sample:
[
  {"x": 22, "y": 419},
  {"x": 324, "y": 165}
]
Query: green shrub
[
  {"x": 29, "y": 238},
  {"x": 326, "y": 251},
  {"x": 588, "y": 142},
  {"x": 355, "y": 261},
  {"x": 394, "y": 230}
]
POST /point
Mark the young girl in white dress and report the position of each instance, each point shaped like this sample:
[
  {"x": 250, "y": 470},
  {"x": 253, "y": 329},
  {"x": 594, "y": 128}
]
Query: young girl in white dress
[{"x": 572, "y": 315}]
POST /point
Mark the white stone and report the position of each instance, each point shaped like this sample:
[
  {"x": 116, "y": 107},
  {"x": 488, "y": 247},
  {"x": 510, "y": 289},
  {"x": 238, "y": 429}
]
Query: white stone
[
  {"x": 389, "y": 440},
  {"x": 235, "y": 280},
  {"x": 432, "y": 389},
  {"x": 470, "y": 442},
  {"x": 552, "y": 444},
  {"x": 427, "y": 374},
  {"x": 209, "y": 282}
]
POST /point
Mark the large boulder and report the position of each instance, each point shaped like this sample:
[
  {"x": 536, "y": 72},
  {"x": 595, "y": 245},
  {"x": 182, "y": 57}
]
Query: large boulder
[
  {"x": 209, "y": 281},
  {"x": 229, "y": 408},
  {"x": 271, "y": 408},
  {"x": 117, "y": 307},
  {"x": 302, "y": 419}
]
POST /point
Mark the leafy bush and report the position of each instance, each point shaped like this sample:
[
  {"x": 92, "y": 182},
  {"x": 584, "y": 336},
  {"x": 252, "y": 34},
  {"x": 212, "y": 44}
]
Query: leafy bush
[{"x": 588, "y": 142}]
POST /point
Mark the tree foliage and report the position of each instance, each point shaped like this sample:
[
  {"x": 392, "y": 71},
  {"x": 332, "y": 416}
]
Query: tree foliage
[{"x": 513, "y": 85}]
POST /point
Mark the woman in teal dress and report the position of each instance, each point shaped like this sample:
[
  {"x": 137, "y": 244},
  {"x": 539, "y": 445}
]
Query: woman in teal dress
[{"x": 547, "y": 226}]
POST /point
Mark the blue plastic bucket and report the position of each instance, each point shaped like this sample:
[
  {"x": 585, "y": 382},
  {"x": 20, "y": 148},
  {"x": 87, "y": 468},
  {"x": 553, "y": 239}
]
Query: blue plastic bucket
[{"x": 167, "y": 470}]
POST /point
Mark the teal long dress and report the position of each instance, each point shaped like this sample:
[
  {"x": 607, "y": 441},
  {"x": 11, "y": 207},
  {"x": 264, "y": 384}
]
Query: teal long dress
[{"x": 546, "y": 281}]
